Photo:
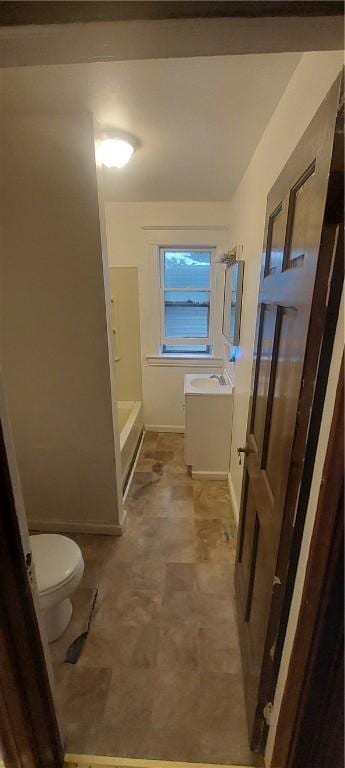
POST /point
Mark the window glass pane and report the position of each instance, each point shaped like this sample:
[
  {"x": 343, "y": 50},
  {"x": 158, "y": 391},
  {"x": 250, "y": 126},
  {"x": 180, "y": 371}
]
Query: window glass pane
[
  {"x": 187, "y": 314},
  {"x": 186, "y": 349},
  {"x": 187, "y": 269}
]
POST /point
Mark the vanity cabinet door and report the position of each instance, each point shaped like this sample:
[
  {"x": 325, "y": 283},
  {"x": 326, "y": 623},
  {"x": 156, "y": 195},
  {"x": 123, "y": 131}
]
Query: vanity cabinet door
[{"x": 207, "y": 434}]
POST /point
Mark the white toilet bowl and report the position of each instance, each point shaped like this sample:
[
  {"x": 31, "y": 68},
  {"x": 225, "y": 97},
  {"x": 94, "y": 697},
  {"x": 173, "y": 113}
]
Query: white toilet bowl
[{"x": 59, "y": 567}]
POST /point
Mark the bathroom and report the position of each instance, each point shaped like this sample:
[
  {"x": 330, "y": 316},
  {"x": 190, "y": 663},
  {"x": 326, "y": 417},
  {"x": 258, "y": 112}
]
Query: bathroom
[{"x": 126, "y": 433}]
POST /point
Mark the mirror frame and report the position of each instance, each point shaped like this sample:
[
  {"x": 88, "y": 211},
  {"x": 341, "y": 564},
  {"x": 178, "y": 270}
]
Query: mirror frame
[{"x": 232, "y": 305}]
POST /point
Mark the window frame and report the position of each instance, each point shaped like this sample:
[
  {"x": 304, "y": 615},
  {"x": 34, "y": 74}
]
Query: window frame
[{"x": 184, "y": 341}]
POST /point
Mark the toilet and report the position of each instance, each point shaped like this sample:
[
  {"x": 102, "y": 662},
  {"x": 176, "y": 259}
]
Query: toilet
[{"x": 59, "y": 567}]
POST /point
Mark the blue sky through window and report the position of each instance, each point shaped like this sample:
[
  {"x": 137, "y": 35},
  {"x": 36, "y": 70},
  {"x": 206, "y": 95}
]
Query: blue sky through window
[
  {"x": 185, "y": 270},
  {"x": 187, "y": 294}
]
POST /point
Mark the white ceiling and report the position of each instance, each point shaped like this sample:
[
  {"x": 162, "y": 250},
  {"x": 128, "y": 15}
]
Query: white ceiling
[{"x": 198, "y": 120}]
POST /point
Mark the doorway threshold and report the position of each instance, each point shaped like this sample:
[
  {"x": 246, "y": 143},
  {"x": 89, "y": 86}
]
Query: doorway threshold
[{"x": 91, "y": 761}]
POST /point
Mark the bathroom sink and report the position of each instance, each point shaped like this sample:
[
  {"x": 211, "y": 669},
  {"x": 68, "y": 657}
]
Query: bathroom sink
[{"x": 203, "y": 384}]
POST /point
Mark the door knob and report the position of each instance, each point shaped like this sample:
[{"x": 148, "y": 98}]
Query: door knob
[{"x": 246, "y": 450}]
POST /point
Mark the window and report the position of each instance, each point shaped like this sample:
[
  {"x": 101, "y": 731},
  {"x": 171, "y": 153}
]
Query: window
[{"x": 186, "y": 282}]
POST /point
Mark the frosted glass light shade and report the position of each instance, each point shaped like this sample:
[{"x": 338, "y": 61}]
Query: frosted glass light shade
[{"x": 115, "y": 153}]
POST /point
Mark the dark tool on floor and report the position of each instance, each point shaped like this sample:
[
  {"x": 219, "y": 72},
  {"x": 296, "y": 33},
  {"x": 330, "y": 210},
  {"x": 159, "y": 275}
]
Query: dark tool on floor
[{"x": 75, "y": 649}]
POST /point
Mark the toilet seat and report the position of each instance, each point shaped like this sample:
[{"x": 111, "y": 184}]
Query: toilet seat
[{"x": 56, "y": 558}]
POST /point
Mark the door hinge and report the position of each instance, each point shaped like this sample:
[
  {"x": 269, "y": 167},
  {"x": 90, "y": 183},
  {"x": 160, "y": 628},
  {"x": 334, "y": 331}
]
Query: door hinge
[
  {"x": 267, "y": 712},
  {"x": 28, "y": 566}
]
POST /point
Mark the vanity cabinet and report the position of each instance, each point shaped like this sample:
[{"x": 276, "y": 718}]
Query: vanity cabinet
[{"x": 208, "y": 424}]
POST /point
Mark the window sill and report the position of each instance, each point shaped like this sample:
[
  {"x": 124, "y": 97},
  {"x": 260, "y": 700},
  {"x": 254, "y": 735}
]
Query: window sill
[{"x": 185, "y": 361}]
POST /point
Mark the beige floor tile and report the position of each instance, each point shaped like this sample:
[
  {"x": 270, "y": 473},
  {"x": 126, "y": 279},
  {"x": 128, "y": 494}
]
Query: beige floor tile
[
  {"x": 216, "y": 577},
  {"x": 145, "y": 508},
  {"x": 149, "y": 485},
  {"x": 82, "y": 694},
  {"x": 213, "y": 543},
  {"x": 182, "y": 508},
  {"x": 170, "y": 441},
  {"x": 143, "y": 539},
  {"x": 147, "y": 574},
  {"x": 151, "y": 465},
  {"x": 221, "y": 701},
  {"x": 181, "y": 493},
  {"x": 82, "y": 603},
  {"x": 211, "y": 499},
  {"x": 136, "y": 606},
  {"x": 227, "y": 746},
  {"x": 207, "y": 493},
  {"x": 122, "y": 645},
  {"x": 81, "y": 739},
  {"x": 181, "y": 607},
  {"x": 175, "y": 744},
  {"x": 126, "y": 741},
  {"x": 177, "y": 474},
  {"x": 178, "y": 543},
  {"x": 180, "y": 577},
  {"x": 98, "y": 649},
  {"x": 95, "y": 547},
  {"x": 176, "y": 699},
  {"x": 216, "y": 608},
  {"x": 219, "y": 649},
  {"x": 130, "y": 698},
  {"x": 178, "y": 647}
]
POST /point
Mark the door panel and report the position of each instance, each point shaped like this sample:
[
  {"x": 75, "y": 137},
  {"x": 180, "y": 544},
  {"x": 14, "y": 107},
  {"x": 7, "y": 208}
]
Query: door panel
[
  {"x": 263, "y": 364},
  {"x": 280, "y": 416},
  {"x": 294, "y": 218},
  {"x": 297, "y": 222},
  {"x": 275, "y": 237}
]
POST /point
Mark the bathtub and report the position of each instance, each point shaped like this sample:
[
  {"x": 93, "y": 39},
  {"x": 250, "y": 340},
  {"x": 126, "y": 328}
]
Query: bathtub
[{"x": 131, "y": 425}]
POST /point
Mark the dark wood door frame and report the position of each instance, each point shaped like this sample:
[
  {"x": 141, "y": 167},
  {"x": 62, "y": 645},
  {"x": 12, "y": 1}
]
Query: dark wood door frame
[
  {"x": 307, "y": 713},
  {"x": 322, "y": 326},
  {"x": 28, "y": 726}
]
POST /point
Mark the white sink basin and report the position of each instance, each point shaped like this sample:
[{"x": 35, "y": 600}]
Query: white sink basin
[{"x": 203, "y": 384}]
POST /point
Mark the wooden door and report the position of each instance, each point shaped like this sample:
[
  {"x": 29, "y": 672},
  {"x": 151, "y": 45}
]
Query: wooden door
[
  {"x": 281, "y": 396},
  {"x": 29, "y": 731}
]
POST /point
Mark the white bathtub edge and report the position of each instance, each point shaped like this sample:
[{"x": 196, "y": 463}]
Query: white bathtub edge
[
  {"x": 137, "y": 404},
  {"x": 164, "y": 428}
]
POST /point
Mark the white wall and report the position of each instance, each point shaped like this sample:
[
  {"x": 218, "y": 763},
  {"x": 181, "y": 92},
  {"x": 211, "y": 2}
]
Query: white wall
[
  {"x": 307, "y": 88},
  {"x": 54, "y": 342},
  {"x": 130, "y": 245},
  {"x": 126, "y": 346}
]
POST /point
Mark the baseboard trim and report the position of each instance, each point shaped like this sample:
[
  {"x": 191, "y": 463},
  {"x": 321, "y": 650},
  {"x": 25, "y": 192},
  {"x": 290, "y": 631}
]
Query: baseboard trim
[
  {"x": 197, "y": 475},
  {"x": 233, "y": 500},
  {"x": 60, "y": 526},
  {"x": 164, "y": 428},
  {"x": 89, "y": 761}
]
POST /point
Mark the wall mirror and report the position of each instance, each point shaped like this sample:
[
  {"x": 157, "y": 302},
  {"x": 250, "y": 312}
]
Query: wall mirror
[{"x": 233, "y": 301}]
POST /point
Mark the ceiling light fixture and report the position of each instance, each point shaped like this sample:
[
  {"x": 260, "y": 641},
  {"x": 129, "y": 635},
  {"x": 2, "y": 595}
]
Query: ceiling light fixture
[{"x": 115, "y": 152}]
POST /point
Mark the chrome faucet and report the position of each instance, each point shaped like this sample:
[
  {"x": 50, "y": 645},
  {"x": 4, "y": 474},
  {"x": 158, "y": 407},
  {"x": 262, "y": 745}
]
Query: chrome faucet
[{"x": 220, "y": 378}]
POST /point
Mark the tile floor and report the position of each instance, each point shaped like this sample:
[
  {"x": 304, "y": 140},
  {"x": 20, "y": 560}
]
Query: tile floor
[{"x": 160, "y": 673}]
